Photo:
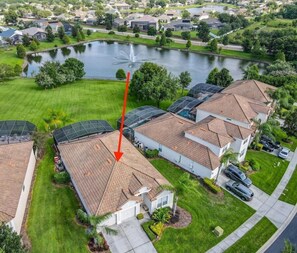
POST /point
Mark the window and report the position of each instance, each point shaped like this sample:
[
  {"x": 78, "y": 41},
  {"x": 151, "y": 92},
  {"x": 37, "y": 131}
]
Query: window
[
  {"x": 245, "y": 141},
  {"x": 162, "y": 201},
  {"x": 242, "y": 153},
  {"x": 160, "y": 148},
  {"x": 179, "y": 159}
]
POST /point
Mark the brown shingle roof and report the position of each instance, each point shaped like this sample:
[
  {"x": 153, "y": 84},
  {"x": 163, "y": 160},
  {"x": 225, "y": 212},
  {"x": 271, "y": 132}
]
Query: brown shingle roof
[
  {"x": 251, "y": 89},
  {"x": 105, "y": 185},
  {"x": 169, "y": 129},
  {"x": 234, "y": 106},
  {"x": 14, "y": 159}
]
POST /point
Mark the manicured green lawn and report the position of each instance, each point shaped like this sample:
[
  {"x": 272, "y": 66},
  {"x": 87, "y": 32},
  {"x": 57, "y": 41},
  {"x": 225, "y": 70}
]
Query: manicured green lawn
[
  {"x": 51, "y": 223},
  {"x": 207, "y": 210},
  {"x": 292, "y": 146},
  {"x": 268, "y": 177},
  {"x": 290, "y": 193},
  {"x": 254, "y": 239},
  {"x": 83, "y": 100},
  {"x": 8, "y": 56}
]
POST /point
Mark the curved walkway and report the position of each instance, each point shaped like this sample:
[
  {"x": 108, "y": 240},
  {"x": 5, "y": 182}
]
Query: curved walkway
[{"x": 275, "y": 210}]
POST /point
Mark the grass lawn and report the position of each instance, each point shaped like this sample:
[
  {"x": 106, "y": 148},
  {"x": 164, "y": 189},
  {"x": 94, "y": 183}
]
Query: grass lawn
[
  {"x": 292, "y": 146},
  {"x": 8, "y": 56},
  {"x": 51, "y": 223},
  {"x": 21, "y": 99},
  {"x": 268, "y": 177},
  {"x": 254, "y": 239},
  {"x": 290, "y": 194},
  {"x": 207, "y": 210}
]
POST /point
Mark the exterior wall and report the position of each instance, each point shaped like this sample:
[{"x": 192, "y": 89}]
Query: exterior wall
[
  {"x": 16, "y": 223},
  {"x": 200, "y": 115},
  {"x": 239, "y": 146},
  {"x": 217, "y": 150},
  {"x": 262, "y": 117},
  {"x": 161, "y": 195},
  {"x": 175, "y": 157},
  {"x": 143, "y": 25}
]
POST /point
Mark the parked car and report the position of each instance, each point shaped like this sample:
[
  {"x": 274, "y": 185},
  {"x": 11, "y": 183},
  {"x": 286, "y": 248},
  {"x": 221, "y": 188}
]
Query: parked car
[
  {"x": 240, "y": 190},
  {"x": 274, "y": 144},
  {"x": 236, "y": 174},
  {"x": 266, "y": 146},
  {"x": 284, "y": 153}
]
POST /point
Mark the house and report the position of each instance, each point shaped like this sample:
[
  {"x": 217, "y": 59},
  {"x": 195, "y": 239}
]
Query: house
[
  {"x": 167, "y": 134},
  {"x": 145, "y": 22},
  {"x": 164, "y": 18},
  {"x": 213, "y": 23},
  {"x": 180, "y": 25},
  {"x": 9, "y": 35},
  {"x": 34, "y": 32},
  {"x": 67, "y": 27},
  {"x": 17, "y": 163},
  {"x": 105, "y": 185},
  {"x": 118, "y": 22},
  {"x": 122, "y": 6}
]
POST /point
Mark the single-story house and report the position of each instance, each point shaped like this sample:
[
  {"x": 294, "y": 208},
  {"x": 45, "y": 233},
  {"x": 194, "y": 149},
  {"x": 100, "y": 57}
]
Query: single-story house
[
  {"x": 9, "y": 34},
  {"x": 105, "y": 185},
  {"x": 180, "y": 25},
  {"x": 34, "y": 32},
  {"x": 17, "y": 163},
  {"x": 145, "y": 22},
  {"x": 118, "y": 22},
  {"x": 122, "y": 6},
  {"x": 213, "y": 23}
]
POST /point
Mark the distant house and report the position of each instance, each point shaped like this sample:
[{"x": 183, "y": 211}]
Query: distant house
[
  {"x": 122, "y": 6},
  {"x": 119, "y": 22},
  {"x": 180, "y": 25},
  {"x": 34, "y": 32},
  {"x": 91, "y": 21},
  {"x": 213, "y": 23},
  {"x": 105, "y": 185},
  {"x": 164, "y": 18},
  {"x": 67, "y": 27},
  {"x": 16, "y": 172},
  {"x": 145, "y": 22},
  {"x": 9, "y": 34}
]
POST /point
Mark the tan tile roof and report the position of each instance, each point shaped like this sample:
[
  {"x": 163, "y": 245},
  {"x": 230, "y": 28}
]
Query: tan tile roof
[
  {"x": 105, "y": 185},
  {"x": 234, "y": 106},
  {"x": 168, "y": 130},
  {"x": 14, "y": 159},
  {"x": 251, "y": 89}
]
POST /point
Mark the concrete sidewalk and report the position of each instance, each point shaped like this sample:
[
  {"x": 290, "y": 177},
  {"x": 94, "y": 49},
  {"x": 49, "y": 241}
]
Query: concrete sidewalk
[{"x": 275, "y": 210}]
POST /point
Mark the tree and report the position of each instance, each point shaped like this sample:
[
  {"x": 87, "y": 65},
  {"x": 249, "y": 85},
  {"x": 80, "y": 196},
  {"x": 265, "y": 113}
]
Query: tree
[
  {"x": 291, "y": 123},
  {"x": 258, "y": 50},
  {"x": 10, "y": 17},
  {"x": 252, "y": 72},
  {"x": 289, "y": 247},
  {"x": 50, "y": 37},
  {"x": 136, "y": 29},
  {"x": 75, "y": 66},
  {"x": 157, "y": 39},
  {"x": 213, "y": 46},
  {"x": 228, "y": 156},
  {"x": 211, "y": 79},
  {"x": 153, "y": 82},
  {"x": 186, "y": 35},
  {"x": 26, "y": 40},
  {"x": 203, "y": 31},
  {"x": 78, "y": 36},
  {"x": 168, "y": 33},
  {"x": 280, "y": 56},
  {"x": 120, "y": 74},
  {"x": 225, "y": 40},
  {"x": 188, "y": 44},
  {"x": 55, "y": 119},
  {"x": 185, "y": 79},
  {"x": 223, "y": 78},
  {"x": 61, "y": 32},
  {"x": 152, "y": 31},
  {"x": 10, "y": 241},
  {"x": 89, "y": 32},
  {"x": 186, "y": 14},
  {"x": 33, "y": 46},
  {"x": 21, "y": 51},
  {"x": 18, "y": 70},
  {"x": 247, "y": 45},
  {"x": 7, "y": 71},
  {"x": 162, "y": 40},
  {"x": 66, "y": 39}
]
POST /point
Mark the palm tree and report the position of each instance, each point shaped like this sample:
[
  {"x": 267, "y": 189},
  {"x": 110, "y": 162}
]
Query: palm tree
[
  {"x": 228, "y": 156},
  {"x": 184, "y": 183},
  {"x": 289, "y": 247},
  {"x": 55, "y": 119},
  {"x": 95, "y": 223}
]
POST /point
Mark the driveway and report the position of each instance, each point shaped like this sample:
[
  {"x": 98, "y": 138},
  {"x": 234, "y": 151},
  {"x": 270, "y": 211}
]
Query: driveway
[{"x": 130, "y": 238}]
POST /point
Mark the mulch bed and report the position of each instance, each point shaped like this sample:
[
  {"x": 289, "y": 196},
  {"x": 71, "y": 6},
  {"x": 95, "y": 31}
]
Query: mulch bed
[{"x": 185, "y": 219}]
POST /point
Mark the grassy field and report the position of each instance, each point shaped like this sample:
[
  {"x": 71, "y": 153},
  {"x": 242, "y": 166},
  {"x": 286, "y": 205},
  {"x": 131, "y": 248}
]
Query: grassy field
[
  {"x": 290, "y": 194},
  {"x": 207, "y": 210},
  {"x": 21, "y": 99},
  {"x": 268, "y": 177},
  {"x": 51, "y": 223},
  {"x": 8, "y": 56},
  {"x": 254, "y": 239}
]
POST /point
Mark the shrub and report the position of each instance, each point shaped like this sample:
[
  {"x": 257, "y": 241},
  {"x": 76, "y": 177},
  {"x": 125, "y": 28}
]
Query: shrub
[
  {"x": 62, "y": 178},
  {"x": 255, "y": 165},
  {"x": 82, "y": 216},
  {"x": 161, "y": 215},
  {"x": 151, "y": 153},
  {"x": 244, "y": 168},
  {"x": 140, "y": 216},
  {"x": 120, "y": 74},
  {"x": 21, "y": 51},
  {"x": 136, "y": 35},
  {"x": 146, "y": 227},
  {"x": 157, "y": 228},
  {"x": 209, "y": 183},
  {"x": 259, "y": 146},
  {"x": 111, "y": 33}
]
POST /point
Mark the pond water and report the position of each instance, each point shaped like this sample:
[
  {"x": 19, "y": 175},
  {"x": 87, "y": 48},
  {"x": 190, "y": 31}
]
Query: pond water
[
  {"x": 103, "y": 59},
  {"x": 209, "y": 8}
]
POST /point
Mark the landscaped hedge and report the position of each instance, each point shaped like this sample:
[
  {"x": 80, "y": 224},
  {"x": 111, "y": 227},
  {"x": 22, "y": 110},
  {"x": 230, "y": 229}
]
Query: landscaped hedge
[
  {"x": 62, "y": 178},
  {"x": 152, "y": 153},
  {"x": 210, "y": 184},
  {"x": 148, "y": 231},
  {"x": 140, "y": 216},
  {"x": 254, "y": 165},
  {"x": 157, "y": 228}
]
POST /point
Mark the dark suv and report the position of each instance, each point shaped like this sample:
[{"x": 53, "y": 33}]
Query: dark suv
[
  {"x": 236, "y": 174},
  {"x": 240, "y": 190},
  {"x": 269, "y": 141}
]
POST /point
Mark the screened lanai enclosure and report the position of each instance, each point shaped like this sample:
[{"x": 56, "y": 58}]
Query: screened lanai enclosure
[
  {"x": 204, "y": 90},
  {"x": 80, "y": 130},
  {"x": 14, "y": 131}
]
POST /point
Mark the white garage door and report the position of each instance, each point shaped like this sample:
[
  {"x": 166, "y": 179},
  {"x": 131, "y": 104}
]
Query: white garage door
[{"x": 128, "y": 213}]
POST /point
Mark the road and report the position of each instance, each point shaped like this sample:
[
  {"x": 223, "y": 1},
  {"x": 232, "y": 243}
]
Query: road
[
  {"x": 181, "y": 41},
  {"x": 289, "y": 233}
]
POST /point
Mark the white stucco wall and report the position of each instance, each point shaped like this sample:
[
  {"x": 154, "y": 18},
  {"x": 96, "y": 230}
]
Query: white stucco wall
[
  {"x": 175, "y": 157},
  {"x": 16, "y": 223},
  {"x": 262, "y": 117},
  {"x": 238, "y": 146},
  {"x": 161, "y": 195},
  {"x": 200, "y": 115}
]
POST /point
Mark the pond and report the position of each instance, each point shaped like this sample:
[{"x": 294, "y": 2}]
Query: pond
[
  {"x": 103, "y": 59},
  {"x": 209, "y": 8}
]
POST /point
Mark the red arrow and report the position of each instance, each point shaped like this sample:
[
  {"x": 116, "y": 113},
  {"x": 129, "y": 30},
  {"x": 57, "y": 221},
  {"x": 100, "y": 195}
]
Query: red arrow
[{"x": 118, "y": 154}]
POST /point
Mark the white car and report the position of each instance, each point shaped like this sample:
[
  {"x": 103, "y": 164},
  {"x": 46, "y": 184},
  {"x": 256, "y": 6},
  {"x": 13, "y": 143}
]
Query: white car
[{"x": 284, "y": 153}]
